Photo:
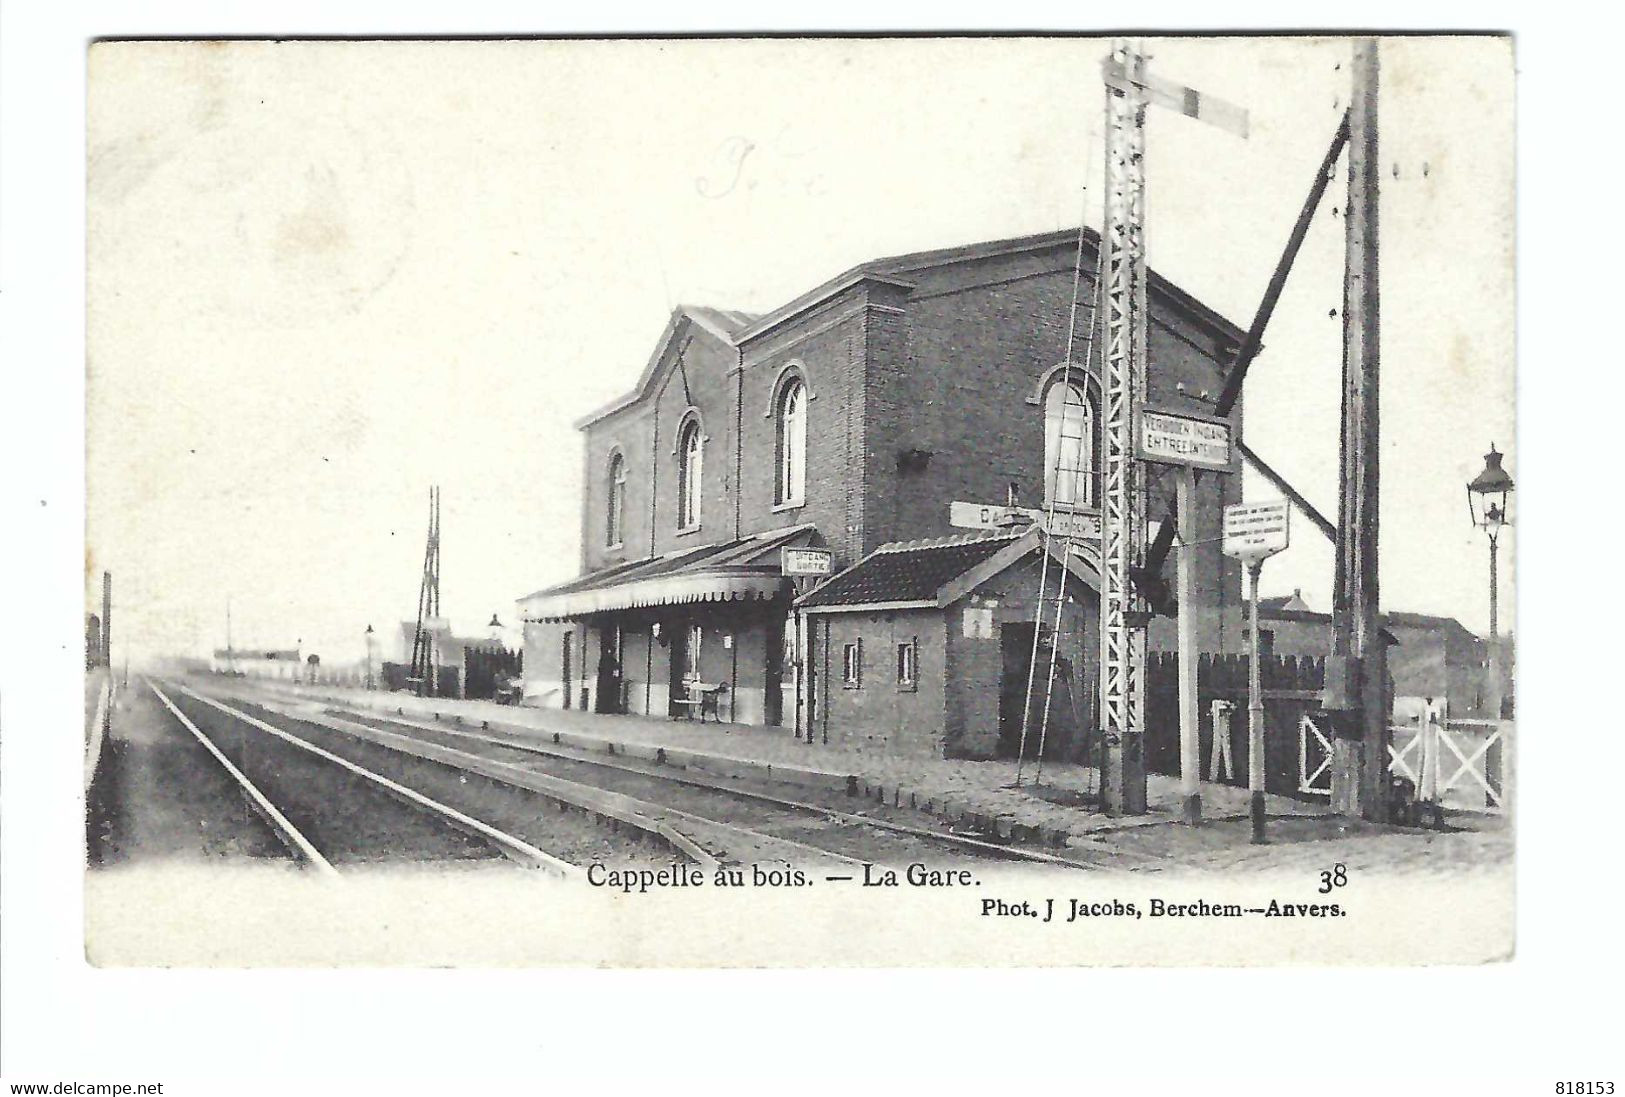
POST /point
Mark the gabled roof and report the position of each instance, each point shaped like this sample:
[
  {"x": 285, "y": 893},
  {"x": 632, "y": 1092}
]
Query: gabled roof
[
  {"x": 1389, "y": 620},
  {"x": 932, "y": 573},
  {"x": 723, "y": 325},
  {"x": 895, "y": 268},
  {"x": 734, "y": 328},
  {"x": 1293, "y": 601}
]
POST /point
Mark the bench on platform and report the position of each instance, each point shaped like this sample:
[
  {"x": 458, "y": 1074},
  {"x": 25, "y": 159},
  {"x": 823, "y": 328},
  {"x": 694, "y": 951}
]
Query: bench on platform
[{"x": 702, "y": 699}]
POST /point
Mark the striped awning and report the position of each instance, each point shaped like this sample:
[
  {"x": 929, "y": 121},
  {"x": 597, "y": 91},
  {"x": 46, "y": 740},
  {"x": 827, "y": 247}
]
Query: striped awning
[
  {"x": 669, "y": 590},
  {"x": 742, "y": 570}
]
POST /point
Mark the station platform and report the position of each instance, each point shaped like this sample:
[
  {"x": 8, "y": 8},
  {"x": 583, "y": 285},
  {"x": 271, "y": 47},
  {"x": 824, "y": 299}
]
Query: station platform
[{"x": 974, "y": 794}]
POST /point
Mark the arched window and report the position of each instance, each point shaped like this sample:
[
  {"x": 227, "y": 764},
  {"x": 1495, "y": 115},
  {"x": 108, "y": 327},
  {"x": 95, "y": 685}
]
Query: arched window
[
  {"x": 689, "y": 454},
  {"x": 1069, "y": 446},
  {"x": 615, "y": 526},
  {"x": 792, "y": 444}
]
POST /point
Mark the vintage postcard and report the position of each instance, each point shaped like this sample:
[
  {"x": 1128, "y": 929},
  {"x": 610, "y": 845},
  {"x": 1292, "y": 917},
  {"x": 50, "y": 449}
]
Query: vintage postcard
[{"x": 807, "y": 502}]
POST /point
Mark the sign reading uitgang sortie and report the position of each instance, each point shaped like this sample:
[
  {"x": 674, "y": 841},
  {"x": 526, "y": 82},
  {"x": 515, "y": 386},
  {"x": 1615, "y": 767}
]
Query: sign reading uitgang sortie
[{"x": 807, "y": 561}]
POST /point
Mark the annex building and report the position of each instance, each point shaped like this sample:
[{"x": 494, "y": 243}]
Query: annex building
[{"x": 849, "y": 419}]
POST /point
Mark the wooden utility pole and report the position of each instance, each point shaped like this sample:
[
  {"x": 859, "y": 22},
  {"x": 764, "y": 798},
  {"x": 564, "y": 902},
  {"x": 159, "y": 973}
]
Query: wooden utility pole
[
  {"x": 107, "y": 621},
  {"x": 1190, "y": 741},
  {"x": 1357, "y": 672}
]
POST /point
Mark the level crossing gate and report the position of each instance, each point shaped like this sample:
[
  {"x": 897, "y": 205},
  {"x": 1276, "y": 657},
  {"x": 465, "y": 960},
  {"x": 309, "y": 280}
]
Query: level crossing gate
[{"x": 1457, "y": 763}]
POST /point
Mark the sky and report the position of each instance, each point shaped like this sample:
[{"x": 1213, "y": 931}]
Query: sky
[{"x": 323, "y": 276}]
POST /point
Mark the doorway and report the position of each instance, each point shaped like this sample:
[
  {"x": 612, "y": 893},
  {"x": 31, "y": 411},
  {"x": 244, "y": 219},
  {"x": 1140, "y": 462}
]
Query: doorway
[
  {"x": 565, "y": 677},
  {"x": 773, "y": 694},
  {"x": 1016, "y": 652},
  {"x": 609, "y": 670}
]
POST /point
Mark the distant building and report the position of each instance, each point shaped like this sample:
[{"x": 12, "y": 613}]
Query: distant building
[
  {"x": 1293, "y": 601},
  {"x": 94, "y": 656},
  {"x": 478, "y": 661},
  {"x": 1431, "y": 657},
  {"x": 258, "y": 662},
  {"x": 447, "y": 648}
]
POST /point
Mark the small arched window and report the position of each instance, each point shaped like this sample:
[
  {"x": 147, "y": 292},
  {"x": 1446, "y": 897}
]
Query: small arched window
[
  {"x": 792, "y": 444},
  {"x": 615, "y": 525},
  {"x": 690, "y": 451},
  {"x": 1069, "y": 446}
]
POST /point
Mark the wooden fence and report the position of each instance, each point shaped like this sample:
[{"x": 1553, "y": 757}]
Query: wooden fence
[{"x": 1292, "y": 686}]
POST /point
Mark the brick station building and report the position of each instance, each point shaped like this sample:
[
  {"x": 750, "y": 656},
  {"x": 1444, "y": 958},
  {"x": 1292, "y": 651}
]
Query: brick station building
[{"x": 849, "y": 419}]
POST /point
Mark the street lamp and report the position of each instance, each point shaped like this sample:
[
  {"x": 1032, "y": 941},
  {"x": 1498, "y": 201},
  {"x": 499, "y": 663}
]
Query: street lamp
[
  {"x": 370, "y": 639},
  {"x": 1489, "y": 502}
]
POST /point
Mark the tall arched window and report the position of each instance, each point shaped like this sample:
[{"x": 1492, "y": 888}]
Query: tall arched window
[
  {"x": 1069, "y": 446},
  {"x": 615, "y": 526},
  {"x": 689, "y": 455},
  {"x": 792, "y": 444}
]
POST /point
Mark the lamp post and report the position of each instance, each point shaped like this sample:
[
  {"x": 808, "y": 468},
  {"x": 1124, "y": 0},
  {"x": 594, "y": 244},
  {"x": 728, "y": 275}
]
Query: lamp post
[
  {"x": 370, "y": 639},
  {"x": 1489, "y": 502}
]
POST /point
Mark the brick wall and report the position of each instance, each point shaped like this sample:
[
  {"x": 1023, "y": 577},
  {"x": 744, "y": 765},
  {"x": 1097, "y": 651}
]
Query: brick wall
[
  {"x": 826, "y": 346},
  {"x": 646, "y": 435},
  {"x": 878, "y": 715},
  {"x": 958, "y": 375},
  {"x": 950, "y": 368},
  {"x": 974, "y": 697}
]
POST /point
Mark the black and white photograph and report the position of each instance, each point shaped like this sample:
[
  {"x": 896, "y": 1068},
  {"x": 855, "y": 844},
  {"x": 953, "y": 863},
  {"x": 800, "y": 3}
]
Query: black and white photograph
[
  {"x": 831, "y": 548},
  {"x": 1031, "y": 496}
]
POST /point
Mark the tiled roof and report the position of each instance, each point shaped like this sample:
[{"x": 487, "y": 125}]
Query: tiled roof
[{"x": 908, "y": 571}]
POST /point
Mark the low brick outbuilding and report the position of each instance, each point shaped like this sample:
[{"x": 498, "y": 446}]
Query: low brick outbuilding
[{"x": 926, "y": 648}]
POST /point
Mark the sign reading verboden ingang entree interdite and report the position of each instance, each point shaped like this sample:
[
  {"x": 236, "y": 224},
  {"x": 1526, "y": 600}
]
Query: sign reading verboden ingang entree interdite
[
  {"x": 1253, "y": 531},
  {"x": 1174, "y": 439}
]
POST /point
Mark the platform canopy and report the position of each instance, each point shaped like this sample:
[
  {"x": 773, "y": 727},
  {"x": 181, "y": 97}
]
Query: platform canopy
[{"x": 741, "y": 570}]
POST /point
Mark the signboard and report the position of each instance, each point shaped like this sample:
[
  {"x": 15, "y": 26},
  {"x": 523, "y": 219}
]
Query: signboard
[
  {"x": 1079, "y": 525},
  {"x": 807, "y": 561},
  {"x": 1174, "y": 439},
  {"x": 990, "y": 515},
  {"x": 1253, "y": 531}
]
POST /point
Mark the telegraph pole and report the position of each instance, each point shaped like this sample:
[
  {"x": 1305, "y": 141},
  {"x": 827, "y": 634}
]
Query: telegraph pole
[
  {"x": 107, "y": 621},
  {"x": 1357, "y": 672}
]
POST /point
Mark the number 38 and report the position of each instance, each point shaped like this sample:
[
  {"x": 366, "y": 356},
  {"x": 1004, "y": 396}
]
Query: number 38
[{"x": 1335, "y": 877}]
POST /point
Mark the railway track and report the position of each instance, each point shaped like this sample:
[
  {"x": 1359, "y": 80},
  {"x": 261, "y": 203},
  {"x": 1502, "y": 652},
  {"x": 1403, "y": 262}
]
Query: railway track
[
  {"x": 726, "y": 822},
  {"x": 326, "y": 808}
]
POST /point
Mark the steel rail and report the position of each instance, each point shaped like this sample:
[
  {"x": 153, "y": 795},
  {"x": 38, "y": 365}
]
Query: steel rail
[
  {"x": 286, "y": 832},
  {"x": 515, "y": 848},
  {"x": 956, "y": 840}
]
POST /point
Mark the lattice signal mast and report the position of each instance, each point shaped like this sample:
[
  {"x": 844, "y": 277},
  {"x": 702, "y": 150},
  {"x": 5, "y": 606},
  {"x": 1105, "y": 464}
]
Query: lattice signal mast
[
  {"x": 1122, "y": 634},
  {"x": 1129, "y": 90},
  {"x": 423, "y": 663}
]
